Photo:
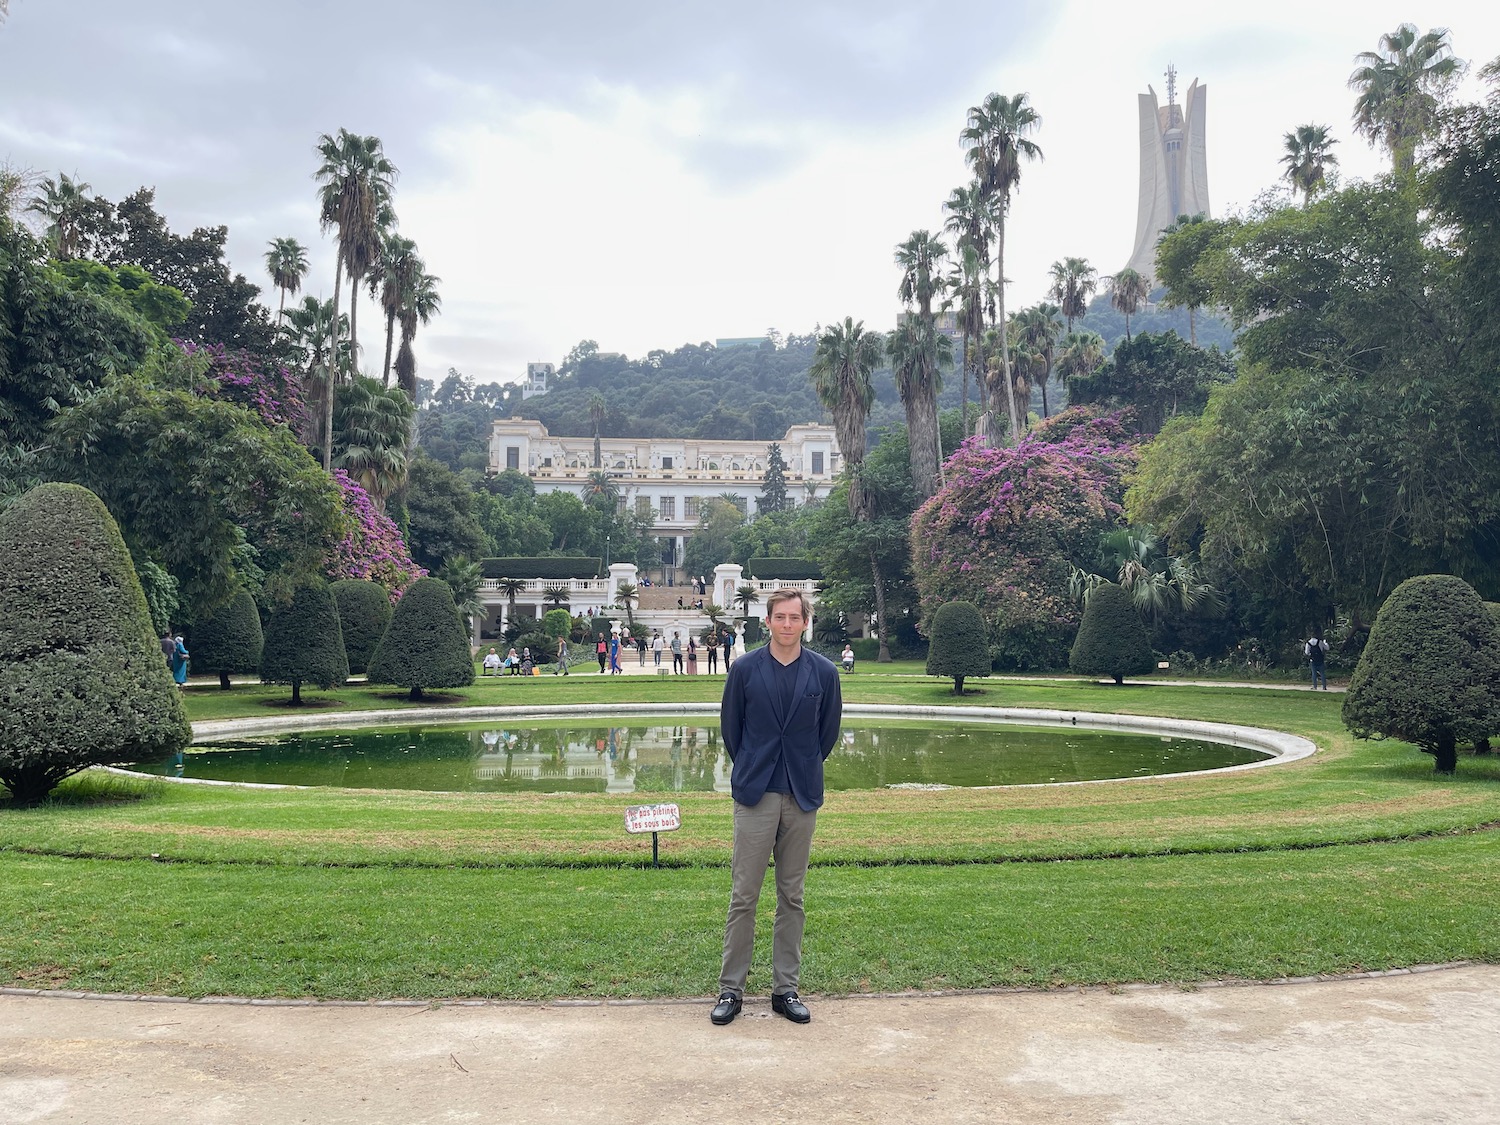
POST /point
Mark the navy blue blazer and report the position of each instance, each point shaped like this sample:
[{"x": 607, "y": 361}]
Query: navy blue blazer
[{"x": 756, "y": 732}]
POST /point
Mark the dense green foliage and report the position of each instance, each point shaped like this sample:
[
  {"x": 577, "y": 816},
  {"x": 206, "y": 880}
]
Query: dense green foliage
[
  {"x": 364, "y": 613},
  {"x": 440, "y": 512},
  {"x": 229, "y": 640},
  {"x": 1430, "y": 673},
  {"x": 557, "y": 623},
  {"x": 959, "y": 644},
  {"x": 425, "y": 645},
  {"x": 304, "y": 643},
  {"x": 1111, "y": 638},
  {"x": 1159, "y": 377},
  {"x": 82, "y": 677}
]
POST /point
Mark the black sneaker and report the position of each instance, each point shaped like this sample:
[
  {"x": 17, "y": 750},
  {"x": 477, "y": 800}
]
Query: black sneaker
[
  {"x": 787, "y": 1004},
  {"x": 727, "y": 1008}
]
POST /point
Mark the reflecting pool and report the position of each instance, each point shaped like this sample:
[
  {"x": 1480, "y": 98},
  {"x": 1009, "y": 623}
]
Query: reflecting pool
[{"x": 655, "y": 756}]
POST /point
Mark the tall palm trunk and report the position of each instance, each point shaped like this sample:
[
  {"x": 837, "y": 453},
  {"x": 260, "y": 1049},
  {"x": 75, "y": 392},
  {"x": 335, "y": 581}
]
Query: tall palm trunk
[
  {"x": 963, "y": 429},
  {"x": 390, "y": 335},
  {"x": 1005, "y": 377},
  {"x": 879, "y": 580},
  {"x": 922, "y": 433},
  {"x": 353, "y": 319},
  {"x": 281, "y": 308},
  {"x": 333, "y": 368}
]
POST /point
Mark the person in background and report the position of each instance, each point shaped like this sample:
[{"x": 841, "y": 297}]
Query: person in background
[
  {"x": 491, "y": 665},
  {"x": 847, "y": 659},
  {"x": 657, "y": 645},
  {"x": 1316, "y": 651},
  {"x": 562, "y": 657},
  {"x": 527, "y": 662},
  {"x": 676, "y": 652},
  {"x": 692, "y": 655},
  {"x": 711, "y": 645},
  {"x": 179, "y": 661},
  {"x": 513, "y": 662}
]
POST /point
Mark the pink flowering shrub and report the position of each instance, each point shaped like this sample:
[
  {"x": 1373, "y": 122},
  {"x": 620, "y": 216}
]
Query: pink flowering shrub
[
  {"x": 372, "y": 548},
  {"x": 1008, "y": 525},
  {"x": 236, "y": 376}
]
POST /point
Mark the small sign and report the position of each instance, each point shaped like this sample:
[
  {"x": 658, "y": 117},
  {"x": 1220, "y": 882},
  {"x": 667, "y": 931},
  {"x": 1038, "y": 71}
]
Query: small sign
[
  {"x": 653, "y": 818},
  {"x": 1163, "y": 664}
]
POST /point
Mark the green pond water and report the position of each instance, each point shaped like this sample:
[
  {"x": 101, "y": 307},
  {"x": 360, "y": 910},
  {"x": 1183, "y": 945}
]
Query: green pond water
[{"x": 684, "y": 756}]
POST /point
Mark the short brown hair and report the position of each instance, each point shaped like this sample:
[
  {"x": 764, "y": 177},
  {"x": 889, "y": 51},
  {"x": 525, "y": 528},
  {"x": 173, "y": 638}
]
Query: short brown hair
[{"x": 786, "y": 595}]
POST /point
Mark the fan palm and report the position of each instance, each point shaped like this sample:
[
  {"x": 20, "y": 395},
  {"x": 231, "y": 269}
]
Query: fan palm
[
  {"x": 373, "y": 422},
  {"x": 996, "y": 137},
  {"x": 1036, "y": 331},
  {"x": 845, "y": 358},
  {"x": 1128, "y": 291},
  {"x": 1073, "y": 284},
  {"x": 286, "y": 262},
  {"x": 464, "y": 578},
  {"x": 915, "y": 346},
  {"x": 62, "y": 203},
  {"x": 1079, "y": 354},
  {"x": 510, "y": 587},
  {"x": 1308, "y": 158},
  {"x": 396, "y": 279},
  {"x": 355, "y": 185},
  {"x": 1400, "y": 86},
  {"x": 419, "y": 305},
  {"x": 314, "y": 329}
]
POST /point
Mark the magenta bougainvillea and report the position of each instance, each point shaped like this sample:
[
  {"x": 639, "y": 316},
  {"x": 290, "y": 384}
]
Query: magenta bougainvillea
[
  {"x": 372, "y": 548},
  {"x": 271, "y": 390},
  {"x": 1008, "y": 525}
]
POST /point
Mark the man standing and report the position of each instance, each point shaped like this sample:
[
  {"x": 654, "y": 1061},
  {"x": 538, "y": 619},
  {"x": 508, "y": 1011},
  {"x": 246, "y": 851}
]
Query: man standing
[{"x": 780, "y": 719}]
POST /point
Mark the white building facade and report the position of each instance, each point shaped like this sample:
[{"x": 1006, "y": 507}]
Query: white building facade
[{"x": 673, "y": 478}]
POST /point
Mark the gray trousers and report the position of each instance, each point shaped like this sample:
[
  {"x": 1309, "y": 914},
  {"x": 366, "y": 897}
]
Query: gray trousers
[{"x": 776, "y": 826}]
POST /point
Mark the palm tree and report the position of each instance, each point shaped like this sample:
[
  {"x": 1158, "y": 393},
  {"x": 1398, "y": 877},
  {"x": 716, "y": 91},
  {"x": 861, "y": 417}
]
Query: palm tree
[
  {"x": 597, "y": 409},
  {"x": 1036, "y": 332},
  {"x": 373, "y": 425},
  {"x": 556, "y": 596},
  {"x": 62, "y": 203},
  {"x": 286, "y": 262},
  {"x": 626, "y": 594},
  {"x": 601, "y": 490},
  {"x": 395, "y": 279},
  {"x": 746, "y": 595},
  {"x": 1080, "y": 354},
  {"x": 995, "y": 136},
  {"x": 1308, "y": 158},
  {"x": 915, "y": 346},
  {"x": 1128, "y": 291},
  {"x": 1400, "y": 87},
  {"x": 1073, "y": 284},
  {"x": 967, "y": 283},
  {"x": 845, "y": 358},
  {"x": 420, "y": 305},
  {"x": 510, "y": 587},
  {"x": 313, "y": 328},
  {"x": 464, "y": 578},
  {"x": 356, "y": 181}
]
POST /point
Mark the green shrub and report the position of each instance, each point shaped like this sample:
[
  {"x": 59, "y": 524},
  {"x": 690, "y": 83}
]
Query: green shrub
[
  {"x": 959, "y": 644},
  {"x": 754, "y": 632},
  {"x": 1112, "y": 638},
  {"x": 557, "y": 623},
  {"x": 229, "y": 641},
  {"x": 1429, "y": 671},
  {"x": 364, "y": 613},
  {"x": 543, "y": 648},
  {"x": 82, "y": 677},
  {"x": 599, "y": 626},
  {"x": 425, "y": 646},
  {"x": 783, "y": 570},
  {"x": 544, "y": 568},
  {"x": 304, "y": 643}
]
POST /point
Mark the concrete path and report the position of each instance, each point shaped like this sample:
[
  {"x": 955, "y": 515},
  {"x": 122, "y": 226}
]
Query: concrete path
[{"x": 1408, "y": 1047}]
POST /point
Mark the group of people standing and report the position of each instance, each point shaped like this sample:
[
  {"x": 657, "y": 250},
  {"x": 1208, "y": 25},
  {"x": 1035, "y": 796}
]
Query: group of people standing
[{"x": 177, "y": 656}]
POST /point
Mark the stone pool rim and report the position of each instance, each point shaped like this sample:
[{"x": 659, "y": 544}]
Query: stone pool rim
[{"x": 1282, "y": 747}]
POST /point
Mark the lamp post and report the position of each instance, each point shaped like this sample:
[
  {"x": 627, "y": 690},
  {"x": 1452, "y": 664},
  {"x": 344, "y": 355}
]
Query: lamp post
[{"x": 606, "y": 550}]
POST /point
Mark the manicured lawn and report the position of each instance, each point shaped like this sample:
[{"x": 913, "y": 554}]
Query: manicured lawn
[{"x": 1356, "y": 858}]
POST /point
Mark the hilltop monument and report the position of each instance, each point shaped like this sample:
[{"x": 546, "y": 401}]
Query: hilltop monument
[{"x": 1174, "y": 166}]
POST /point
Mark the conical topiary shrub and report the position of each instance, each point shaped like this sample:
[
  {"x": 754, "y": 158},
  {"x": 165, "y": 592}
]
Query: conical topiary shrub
[
  {"x": 303, "y": 642},
  {"x": 364, "y": 613},
  {"x": 425, "y": 646},
  {"x": 1429, "y": 672},
  {"x": 958, "y": 645},
  {"x": 229, "y": 641},
  {"x": 1112, "y": 638},
  {"x": 82, "y": 677}
]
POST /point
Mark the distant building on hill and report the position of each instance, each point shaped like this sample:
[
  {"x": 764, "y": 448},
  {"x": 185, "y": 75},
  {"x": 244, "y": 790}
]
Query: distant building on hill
[
  {"x": 1174, "y": 166},
  {"x": 670, "y": 477},
  {"x": 537, "y": 375}
]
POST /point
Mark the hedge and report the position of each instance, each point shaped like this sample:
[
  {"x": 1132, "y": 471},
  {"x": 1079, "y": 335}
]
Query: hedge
[
  {"x": 82, "y": 677},
  {"x": 784, "y": 570},
  {"x": 229, "y": 641},
  {"x": 542, "y": 567}
]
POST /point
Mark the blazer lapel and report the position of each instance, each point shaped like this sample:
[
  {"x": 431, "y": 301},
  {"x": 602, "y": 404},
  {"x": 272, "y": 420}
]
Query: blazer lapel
[
  {"x": 804, "y": 673},
  {"x": 768, "y": 679}
]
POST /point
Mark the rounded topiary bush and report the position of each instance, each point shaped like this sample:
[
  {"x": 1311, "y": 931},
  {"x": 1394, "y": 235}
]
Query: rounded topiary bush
[
  {"x": 364, "y": 613},
  {"x": 557, "y": 623},
  {"x": 958, "y": 644},
  {"x": 1112, "y": 638},
  {"x": 303, "y": 642},
  {"x": 82, "y": 678},
  {"x": 425, "y": 646},
  {"x": 230, "y": 640},
  {"x": 1429, "y": 672}
]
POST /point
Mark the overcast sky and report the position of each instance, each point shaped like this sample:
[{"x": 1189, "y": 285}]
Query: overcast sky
[{"x": 653, "y": 174}]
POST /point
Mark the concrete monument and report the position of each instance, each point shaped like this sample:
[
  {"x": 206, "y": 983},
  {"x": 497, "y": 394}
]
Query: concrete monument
[{"x": 1174, "y": 166}]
